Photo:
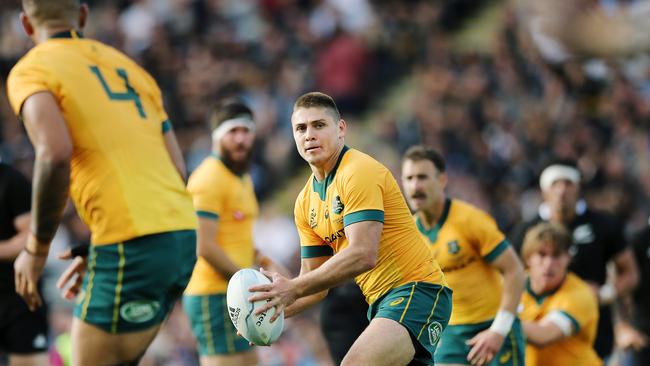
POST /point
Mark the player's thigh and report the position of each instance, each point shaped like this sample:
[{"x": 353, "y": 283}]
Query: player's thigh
[
  {"x": 247, "y": 358},
  {"x": 384, "y": 342},
  {"x": 40, "y": 359},
  {"x": 94, "y": 346},
  {"x": 211, "y": 325}
]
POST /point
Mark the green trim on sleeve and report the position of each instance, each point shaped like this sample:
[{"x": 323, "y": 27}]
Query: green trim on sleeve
[
  {"x": 496, "y": 252},
  {"x": 363, "y": 215},
  {"x": 316, "y": 251},
  {"x": 207, "y": 215},
  {"x": 574, "y": 322},
  {"x": 166, "y": 126}
]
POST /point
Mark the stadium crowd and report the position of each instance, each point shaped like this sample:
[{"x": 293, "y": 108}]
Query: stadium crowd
[{"x": 499, "y": 116}]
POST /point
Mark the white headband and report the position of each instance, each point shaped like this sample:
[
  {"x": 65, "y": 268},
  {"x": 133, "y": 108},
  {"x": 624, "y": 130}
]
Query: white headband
[
  {"x": 554, "y": 172},
  {"x": 230, "y": 124}
]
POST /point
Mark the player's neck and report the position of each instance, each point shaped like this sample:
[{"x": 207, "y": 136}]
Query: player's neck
[
  {"x": 563, "y": 217},
  {"x": 42, "y": 34},
  {"x": 432, "y": 215},
  {"x": 322, "y": 170}
]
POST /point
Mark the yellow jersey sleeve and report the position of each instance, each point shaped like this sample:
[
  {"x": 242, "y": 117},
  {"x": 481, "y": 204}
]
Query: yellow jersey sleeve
[
  {"x": 364, "y": 197},
  {"x": 485, "y": 236},
  {"x": 28, "y": 77},
  {"x": 156, "y": 97},
  {"x": 311, "y": 245},
  {"x": 208, "y": 199},
  {"x": 581, "y": 307}
]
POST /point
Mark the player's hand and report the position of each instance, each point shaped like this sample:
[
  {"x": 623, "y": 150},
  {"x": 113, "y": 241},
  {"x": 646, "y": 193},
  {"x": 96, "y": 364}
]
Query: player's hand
[
  {"x": 485, "y": 346},
  {"x": 280, "y": 293},
  {"x": 28, "y": 268},
  {"x": 71, "y": 279},
  {"x": 627, "y": 337}
]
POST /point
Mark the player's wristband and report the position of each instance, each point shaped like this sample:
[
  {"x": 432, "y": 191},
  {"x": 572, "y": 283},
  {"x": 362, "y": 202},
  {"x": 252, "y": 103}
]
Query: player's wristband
[
  {"x": 606, "y": 294},
  {"x": 502, "y": 322}
]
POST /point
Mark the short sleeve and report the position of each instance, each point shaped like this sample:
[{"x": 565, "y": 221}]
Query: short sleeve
[
  {"x": 157, "y": 99},
  {"x": 580, "y": 307},
  {"x": 311, "y": 245},
  {"x": 486, "y": 237},
  {"x": 25, "y": 79},
  {"x": 362, "y": 193},
  {"x": 207, "y": 196}
]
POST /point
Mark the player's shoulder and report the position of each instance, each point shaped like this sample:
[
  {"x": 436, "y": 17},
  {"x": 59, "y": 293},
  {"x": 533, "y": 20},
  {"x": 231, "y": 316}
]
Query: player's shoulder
[
  {"x": 468, "y": 212},
  {"x": 208, "y": 172},
  {"x": 577, "y": 291},
  {"x": 359, "y": 164}
]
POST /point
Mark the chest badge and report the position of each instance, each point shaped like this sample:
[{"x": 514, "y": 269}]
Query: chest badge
[
  {"x": 337, "y": 205},
  {"x": 453, "y": 247},
  {"x": 238, "y": 215}
]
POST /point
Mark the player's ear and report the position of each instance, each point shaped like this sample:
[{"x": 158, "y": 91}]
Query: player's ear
[
  {"x": 26, "y": 24},
  {"x": 83, "y": 15},
  {"x": 442, "y": 177},
  {"x": 342, "y": 127}
]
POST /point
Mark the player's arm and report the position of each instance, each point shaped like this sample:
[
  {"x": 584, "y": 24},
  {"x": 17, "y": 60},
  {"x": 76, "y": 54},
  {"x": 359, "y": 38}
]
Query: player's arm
[
  {"x": 10, "y": 248},
  {"x": 627, "y": 275},
  {"x": 359, "y": 256},
  {"x": 171, "y": 143},
  {"x": 486, "y": 344},
  {"x": 307, "y": 265},
  {"x": 269, "y": 264},
  {"x": 48, "y": 132},
  {"x": 552, "y": 328},
  {"x": 208, "y": 249}
]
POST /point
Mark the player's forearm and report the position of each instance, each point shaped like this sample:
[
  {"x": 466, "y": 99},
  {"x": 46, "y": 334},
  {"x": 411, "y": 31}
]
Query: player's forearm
[
  {"x": 627, "y": 273},
  {"x": 10, "y": 248},
  {"x": 513, "y": 286},
  {"x": 539, "y": 335},
  {"x": 49, "y": 196},
  {"x": 346, "y": 264},
  {"x": 304, "y": 303},
  {"x": 217, "y": 258}
]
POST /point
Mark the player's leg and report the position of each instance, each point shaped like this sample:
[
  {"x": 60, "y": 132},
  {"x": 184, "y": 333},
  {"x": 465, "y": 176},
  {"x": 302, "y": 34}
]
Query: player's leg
[
  {"x": 94, "y": 346},
  {"x": 405, "y": 328},
  {"x": 128, "y": 291},
  {"x": 24, "y": 332},
  {"x": 384, "y": 342},
  {"x": 215, "y": 334}
]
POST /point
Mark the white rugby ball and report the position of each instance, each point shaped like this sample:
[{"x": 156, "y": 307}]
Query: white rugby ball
[{"x": 257, "y": 329}]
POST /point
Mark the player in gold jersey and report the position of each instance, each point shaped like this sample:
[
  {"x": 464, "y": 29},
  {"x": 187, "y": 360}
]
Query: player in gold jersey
[
  {"x": 353, "y": 222},
  {"x": 480, "y": 266},
  {"x": 560, "y": 312},
  {"x": 101, "y": 133},
  {"x": 225, "y": 202}
]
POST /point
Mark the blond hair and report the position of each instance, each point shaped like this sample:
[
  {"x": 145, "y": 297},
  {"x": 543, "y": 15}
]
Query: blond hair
[
  {"x": 52, "y": 12},
  {"x": 545, "y": 233}
]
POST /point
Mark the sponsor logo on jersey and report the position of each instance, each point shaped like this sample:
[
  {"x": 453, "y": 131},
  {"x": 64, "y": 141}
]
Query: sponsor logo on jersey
[
  {"x": 396, "y": 302},
  {"x": 139, "y": 311},
  {"x": 334, "y": 237},
  {"x": 337, "y": 205},
  {"x": 435, "y": 330},
  {"x": 583, "y": 234},
  {"x": 312, "y": 219}
]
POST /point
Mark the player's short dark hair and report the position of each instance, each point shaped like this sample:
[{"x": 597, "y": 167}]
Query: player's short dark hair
[
  {"x": 421, "y": 152},
  {"x": 53, "y": 12},
  {"x": 317, "y": 100},
  {"x": 546, "y": 233},
  {"x": 228, "y": 109}
]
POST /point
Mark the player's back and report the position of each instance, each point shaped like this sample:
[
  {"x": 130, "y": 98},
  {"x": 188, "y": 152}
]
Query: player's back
[{"x": 123, "y": 180}]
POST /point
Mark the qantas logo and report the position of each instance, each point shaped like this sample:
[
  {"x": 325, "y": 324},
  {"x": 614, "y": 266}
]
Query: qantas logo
[{"x": 334, "y": 237}]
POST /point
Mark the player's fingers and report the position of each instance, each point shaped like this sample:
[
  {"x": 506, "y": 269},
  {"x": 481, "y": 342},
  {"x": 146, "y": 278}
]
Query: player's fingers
[
  {"x": 262, "y": 296},
  {"x": 278, "y": 311},
  {"x": 65, "y": 255},
  {"x": 69, "y": 272},
  {"x": 264, "y": 308},
  {"x": 261, "y": 288}
]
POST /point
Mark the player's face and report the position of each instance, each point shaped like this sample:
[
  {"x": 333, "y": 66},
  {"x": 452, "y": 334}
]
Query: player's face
[
  {"x": 562, "y": 195},
  {"x": 237, "y": 144},
  {"x": 423, "y": 184},
  {"x": 548, "y": 266},
  {"x": 317, "y": 133}
]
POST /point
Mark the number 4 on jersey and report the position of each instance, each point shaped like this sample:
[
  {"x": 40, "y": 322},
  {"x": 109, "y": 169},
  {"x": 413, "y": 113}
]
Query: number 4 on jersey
[{"x": 129, "y": 94}]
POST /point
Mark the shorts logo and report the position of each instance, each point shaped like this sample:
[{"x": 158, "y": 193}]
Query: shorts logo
[
  {"x": 505, "y": 357},
  {"x": 139, "y": 311},
  {"x": 396, "y": 302},
  {"x": 435, "y": 330},
  {"x": 453, "y": 247},
  {"x": 337, "y": 205},
  {"x": 39, "y": 342}
]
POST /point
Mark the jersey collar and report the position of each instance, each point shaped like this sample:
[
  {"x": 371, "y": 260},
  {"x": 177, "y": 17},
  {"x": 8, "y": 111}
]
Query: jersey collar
[
  {"x": 432, "y": 233},
  {"x": 321, "y": 187},
  {"x": 70, "y": 34}
]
